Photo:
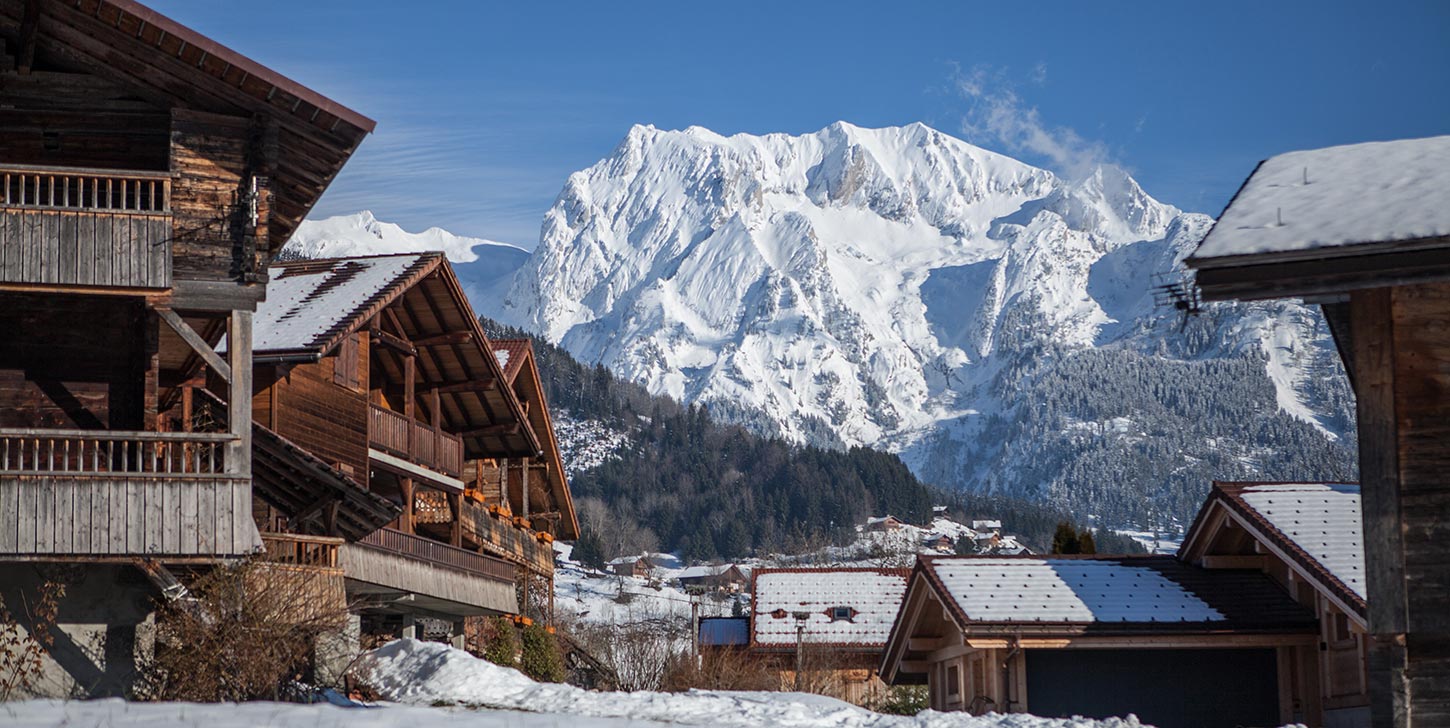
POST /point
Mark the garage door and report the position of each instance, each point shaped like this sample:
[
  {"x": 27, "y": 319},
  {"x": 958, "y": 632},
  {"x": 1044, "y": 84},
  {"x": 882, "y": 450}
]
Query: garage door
[{"x": 1168, "y": 688}]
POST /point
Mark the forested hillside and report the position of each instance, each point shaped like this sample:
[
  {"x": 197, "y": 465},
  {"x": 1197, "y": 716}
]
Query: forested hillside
[{"x": 683, "y": 482}]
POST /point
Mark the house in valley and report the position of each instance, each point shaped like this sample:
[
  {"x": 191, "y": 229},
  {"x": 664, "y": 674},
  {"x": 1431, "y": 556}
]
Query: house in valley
[
  {"x": 639, "y": 567},
  {"x": 1307, "y": 537},
  {"x": 377, "y": 367},
  {"x": 824, "y": 629},
  {"x": 1099, "y": 636},
  {"x": 147, "y": 175},
  {"x": 713, "y": 577},
  {"x": 884, "y": 523},
  {"x": 1364, "y": 231}
]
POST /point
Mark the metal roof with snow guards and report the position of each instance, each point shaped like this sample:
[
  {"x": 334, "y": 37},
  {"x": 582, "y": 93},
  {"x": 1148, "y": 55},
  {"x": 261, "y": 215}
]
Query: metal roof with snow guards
[
  {"x": 1318, "y": 526},
  {"x": 312, "y": 305},
  {"x": 871, "y": 595},
  {"x": 1086, "y": 594}
]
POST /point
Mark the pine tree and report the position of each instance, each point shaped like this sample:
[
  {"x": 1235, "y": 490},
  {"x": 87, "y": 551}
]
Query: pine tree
[
  {"x": 1086, "y": 543},
  {"x": 1065, "y": 539},
  {"x": 589, "y": 550}
]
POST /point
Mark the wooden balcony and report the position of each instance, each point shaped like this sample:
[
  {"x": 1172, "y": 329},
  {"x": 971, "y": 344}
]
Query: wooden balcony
[
  {"x": 503, "y": 536},
  {"x": 303, "y": 574},
  {"x": 85, "y": 227},
  {"x": 401, "y": 436},
  {"x": 388, "y": 565},
  {"x": 98, "y": 494}
]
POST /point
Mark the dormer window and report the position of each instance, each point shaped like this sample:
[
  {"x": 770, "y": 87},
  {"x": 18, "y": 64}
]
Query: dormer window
[
  {"x": 778, "y": 614},
  {"x": 841, "y": 614}
]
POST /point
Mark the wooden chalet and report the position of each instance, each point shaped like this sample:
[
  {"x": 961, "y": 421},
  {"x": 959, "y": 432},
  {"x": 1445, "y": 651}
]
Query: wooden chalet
[
  {"x": 1306, "y": 537},
  {"x": 377, "y": 367},
  {"x": 824, "y": 629},
  {"x": 727, "y": 578},
  {"x": 1098, "y": 636},
  {"x": 1364, "y": 231},
  {"x": 147, "y": 175}
]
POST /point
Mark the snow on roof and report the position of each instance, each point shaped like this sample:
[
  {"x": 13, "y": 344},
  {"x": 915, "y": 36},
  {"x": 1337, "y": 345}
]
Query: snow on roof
[
  {"x": 510, "y": 354},
  {"x": 700, "y": 572},
  {"x": 1323, "y": 519},
  {"x": 307, "y": 302},
  {"x": 1067, "y": 590},
  {"x": 881, "y": 519},
  {"x": 983, "y": 525},
  {"x": 873, "y": 595},
  {"x": 1377, "y": 192}
]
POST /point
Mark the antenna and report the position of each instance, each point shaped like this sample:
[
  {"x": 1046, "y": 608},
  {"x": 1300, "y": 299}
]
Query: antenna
[{"x": 1178, "y": 290}]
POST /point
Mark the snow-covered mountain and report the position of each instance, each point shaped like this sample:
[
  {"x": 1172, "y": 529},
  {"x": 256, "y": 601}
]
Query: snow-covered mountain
[
  {"x": 483, "y": 266},
  {"x": 900, "y": 288}
]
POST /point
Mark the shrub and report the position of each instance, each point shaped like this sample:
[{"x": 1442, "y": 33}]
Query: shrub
[
  {"x": 22, "y": 651},
  {"x": 245, "y": 632},
  {"x": 541, "y": 658},
  {"x": 902, "y": 700},
  {"x": 500, "y": 642}
]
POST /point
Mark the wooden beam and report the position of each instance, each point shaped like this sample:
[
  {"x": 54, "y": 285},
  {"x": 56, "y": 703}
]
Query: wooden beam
[
  {"x": 491, "y": 431},
  {"x": 197, "y": 344},
  {"x": 1373, "y": 338},
  {"x": 29, "y": 24},
  {"x": 478, "y": 385},
  {"x": 455, "y": 337},
  {"x": 396, "y": 343},
  {"x": 1252, "y": 561},
  {"x": 239, "y": 399}
]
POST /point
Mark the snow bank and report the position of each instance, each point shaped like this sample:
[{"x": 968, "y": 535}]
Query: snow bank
[{"x": 414, "y": 672}]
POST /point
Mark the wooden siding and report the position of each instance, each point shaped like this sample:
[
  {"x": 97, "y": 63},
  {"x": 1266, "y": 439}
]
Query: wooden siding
[
  {"x": 212, "y": 158},
  {"x": 84, "y": 248},
  {"x": 378, "y": 566},
  {"x": 328, "y": 420},
  {"x": 123, "y": 516}
]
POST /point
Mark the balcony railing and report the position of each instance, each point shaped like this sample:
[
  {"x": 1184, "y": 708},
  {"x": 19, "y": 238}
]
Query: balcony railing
[
  {"x": 440, "y": 554},
  {"x": 399, "y": 435},
  {"x": 69, "y": 188},
  {"x": 299, "y": 550},
  {"x": 85, "y": 227},
  {"x": 110, "y": 453}
]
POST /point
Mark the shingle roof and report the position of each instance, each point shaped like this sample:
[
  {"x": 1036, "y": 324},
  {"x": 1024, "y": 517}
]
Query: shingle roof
[
  {"x": 873, "y": 595},
  {"x": 1108, "y": 593},
  {"x": 311, "y": 304},
  {"x": 510, "y": 354}
]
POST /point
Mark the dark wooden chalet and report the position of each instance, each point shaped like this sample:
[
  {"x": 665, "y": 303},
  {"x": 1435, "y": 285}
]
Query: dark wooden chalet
[
  {"x": 147, "y": 174},
  {"x": 1364, "y": 230},
  {"x": 1098, "y": 636},
  {"x": 377, "y": 367}
]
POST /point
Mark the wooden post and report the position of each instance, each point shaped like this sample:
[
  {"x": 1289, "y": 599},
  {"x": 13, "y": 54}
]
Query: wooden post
[
  {"x": 435, "y": 404},
  {"x": 239, "y": 397},
  {"x": 455, "y": 535},
  {"x": 407, "y": 515},
  {"x": 524, "y": 498},
  {"x": 1372, "y": 324},
  {"x": 409, "y": 374},
  {"x": 1311, "y": 692}
]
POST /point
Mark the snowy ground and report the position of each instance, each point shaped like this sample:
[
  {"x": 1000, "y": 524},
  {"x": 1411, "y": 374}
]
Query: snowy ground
[
  {"x": 427, "y": 673},
  {"x": 1157, "y": 542}
]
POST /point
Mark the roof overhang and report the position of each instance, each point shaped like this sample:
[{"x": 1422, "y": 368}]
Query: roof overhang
[{"x": 1322, "y": 271}]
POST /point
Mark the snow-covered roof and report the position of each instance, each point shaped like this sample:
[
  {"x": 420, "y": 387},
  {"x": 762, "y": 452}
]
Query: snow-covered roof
[
  {"x": 1067, "y": 590},
  {"x": 701, "y": 572},
  {"x": 873, "y": 596},
  {"x": 873, "y": 520},
  {"x": 1378, "y": 192},
  {"x": 309, "y": 303},
  {"x": 986, "y": 525},
  {"x": 1322, "y": 519}
]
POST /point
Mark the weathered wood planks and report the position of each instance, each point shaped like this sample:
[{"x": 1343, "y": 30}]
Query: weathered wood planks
[
  {"x": 126, "y": 516},
  {"x": 62, "y": 247}
]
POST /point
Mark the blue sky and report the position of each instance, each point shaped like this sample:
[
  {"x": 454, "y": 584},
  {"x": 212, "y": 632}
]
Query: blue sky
[{"x": 484, "y": 108}]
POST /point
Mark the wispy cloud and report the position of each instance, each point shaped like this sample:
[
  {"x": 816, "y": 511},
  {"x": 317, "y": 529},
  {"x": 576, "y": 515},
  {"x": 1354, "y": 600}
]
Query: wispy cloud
[{"x": 998, "y": 113}]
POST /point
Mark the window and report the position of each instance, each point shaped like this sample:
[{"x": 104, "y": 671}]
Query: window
[
  {"x": 842, "y": 614},
  {"x": 1341, "y": 631},
  {"x": 954, "y": 680}
]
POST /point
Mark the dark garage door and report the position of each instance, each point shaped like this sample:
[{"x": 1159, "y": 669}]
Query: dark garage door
[{"x": 1168, "y": 688}]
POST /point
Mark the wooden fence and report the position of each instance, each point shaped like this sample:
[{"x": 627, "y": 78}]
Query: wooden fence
[{"x": 32, "y": 451}]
